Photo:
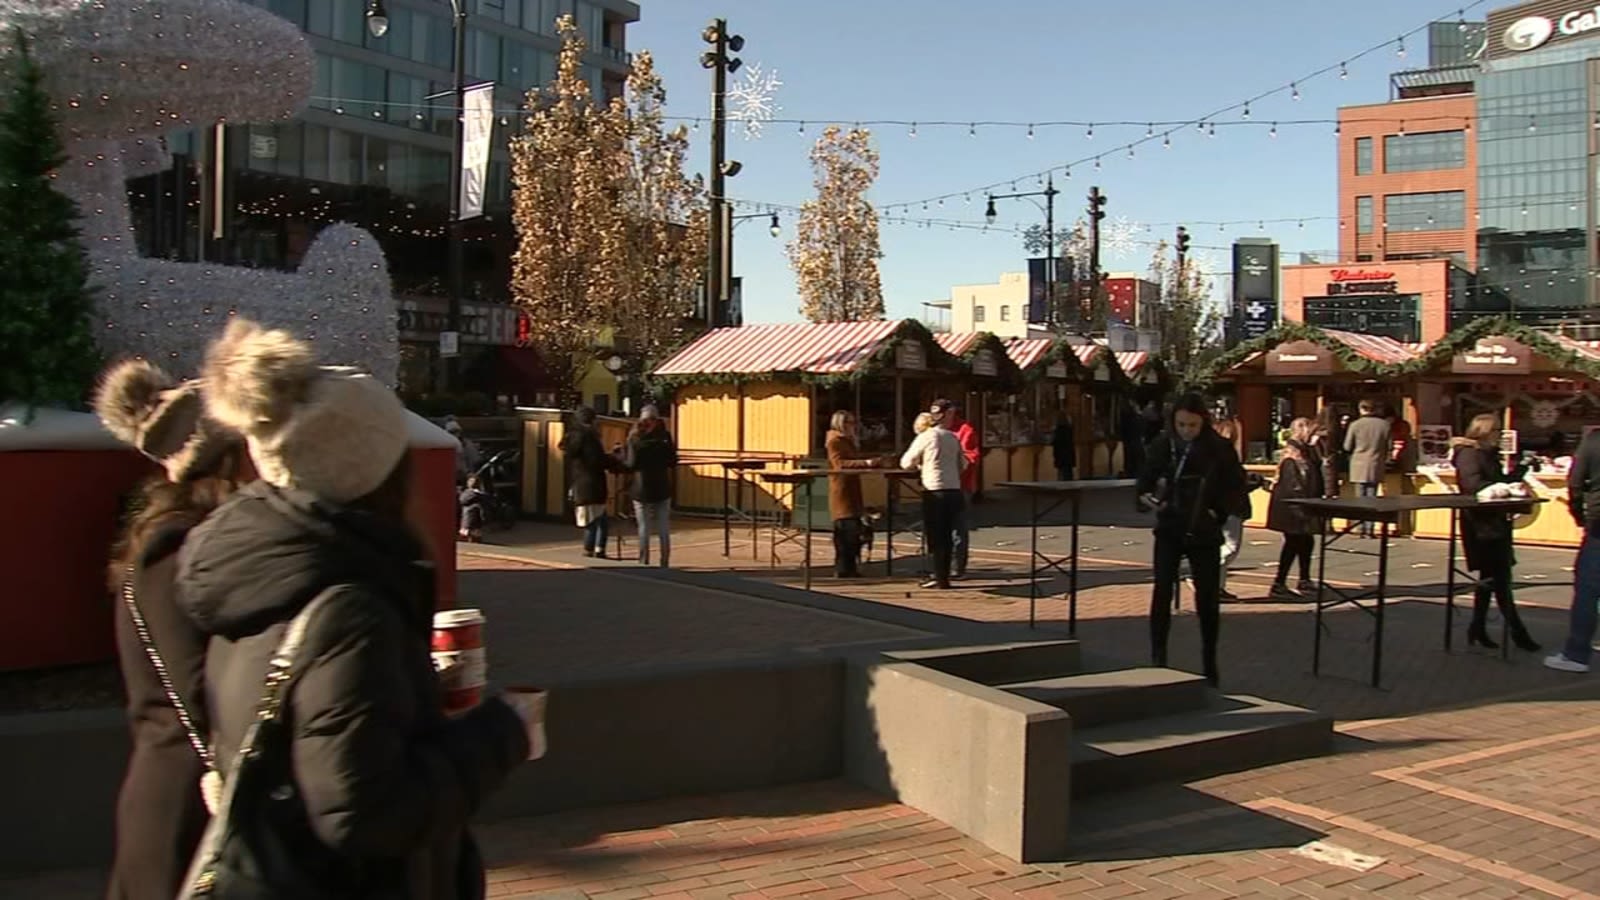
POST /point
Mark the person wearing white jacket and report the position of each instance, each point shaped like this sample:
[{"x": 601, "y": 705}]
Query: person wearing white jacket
[{"x": 936, "y": 453}]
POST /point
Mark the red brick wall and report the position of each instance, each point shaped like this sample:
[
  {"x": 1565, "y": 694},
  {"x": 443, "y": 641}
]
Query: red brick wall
[
  {"x": 1427, "y": 277},
  {"x": 1376, "y": 121}
]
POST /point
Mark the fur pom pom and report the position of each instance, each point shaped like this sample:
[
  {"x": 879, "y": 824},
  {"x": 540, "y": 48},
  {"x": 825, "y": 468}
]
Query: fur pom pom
[
  {"x": 128, "y": 394},
  {"x": 254, "y": 377}
]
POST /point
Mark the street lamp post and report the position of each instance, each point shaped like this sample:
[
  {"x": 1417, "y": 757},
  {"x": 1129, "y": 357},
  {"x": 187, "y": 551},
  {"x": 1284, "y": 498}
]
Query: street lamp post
[
  {"x": 727, "y": 251},
  {"x": 378, "y": 25},
  {"x": 1049, "y": 194},
  {"x": 722, "y": 64}
]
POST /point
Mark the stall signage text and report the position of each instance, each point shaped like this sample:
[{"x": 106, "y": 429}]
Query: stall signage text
[
  {"x": 1300, "y": 358},
  {"x": 1494, "y": 355},
  {"x": 909, "y": 355},
  {"x": 983, "y": 364},
  {"x": 1360, "y": 275},
  {"x": 1056, "y": 370}
]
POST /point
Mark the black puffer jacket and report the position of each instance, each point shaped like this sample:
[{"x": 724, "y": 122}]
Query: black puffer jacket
[
  {"x": 384, "y": 783},
  {"x": 1197, "y": 500},
  {"x": 1486, "y": 534},
  {"x": 650, "y": 457}
]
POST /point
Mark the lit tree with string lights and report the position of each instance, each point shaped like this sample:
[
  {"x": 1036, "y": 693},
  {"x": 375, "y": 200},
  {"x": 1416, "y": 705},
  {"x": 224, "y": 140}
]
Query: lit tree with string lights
[
  {"x": 563, "y": 169},
  {"x": 835, "y": 252},
  {"x": 653, "y": 263},
  {"x": 1188, "y": 324}
]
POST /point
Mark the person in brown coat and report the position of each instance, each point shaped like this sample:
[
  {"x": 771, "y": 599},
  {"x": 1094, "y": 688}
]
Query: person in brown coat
[
  {"x": 1300, "y": 477},
  {"x": 159, "y": 814},
  {"x": 845, "y": 505}
]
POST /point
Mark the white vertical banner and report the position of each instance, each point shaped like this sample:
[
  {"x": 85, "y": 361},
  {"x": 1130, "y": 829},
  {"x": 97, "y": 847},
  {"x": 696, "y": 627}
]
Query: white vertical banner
[{"x": 477, "y": 129}]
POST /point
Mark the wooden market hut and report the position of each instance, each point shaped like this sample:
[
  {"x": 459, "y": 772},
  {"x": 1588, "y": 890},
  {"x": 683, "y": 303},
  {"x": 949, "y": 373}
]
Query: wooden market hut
[
  {"x": 1053, "y": 380},
  {"x": 769, "y": 390},
  {"x": 990, "y": 402},
  {"x": 1297, "y": 370}
]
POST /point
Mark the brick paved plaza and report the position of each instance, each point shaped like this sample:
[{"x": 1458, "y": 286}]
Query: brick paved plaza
[{"x": 1466, "y": 776}]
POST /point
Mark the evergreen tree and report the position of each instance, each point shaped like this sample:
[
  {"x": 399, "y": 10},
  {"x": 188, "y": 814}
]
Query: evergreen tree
[{"x": 47, "y": 351}]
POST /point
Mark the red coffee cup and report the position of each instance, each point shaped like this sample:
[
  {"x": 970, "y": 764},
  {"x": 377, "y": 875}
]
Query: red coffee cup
[{"x": 459, "y": 658}]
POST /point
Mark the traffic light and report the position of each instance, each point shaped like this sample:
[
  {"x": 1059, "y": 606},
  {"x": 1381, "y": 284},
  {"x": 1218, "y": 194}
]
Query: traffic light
[
  {"x": 1097, "y": 204},
  {"x": 1183, "y": 241}
]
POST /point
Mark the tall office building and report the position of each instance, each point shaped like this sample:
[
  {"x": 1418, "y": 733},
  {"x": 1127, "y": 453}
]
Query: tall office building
[{"x": 373, "y": 150}]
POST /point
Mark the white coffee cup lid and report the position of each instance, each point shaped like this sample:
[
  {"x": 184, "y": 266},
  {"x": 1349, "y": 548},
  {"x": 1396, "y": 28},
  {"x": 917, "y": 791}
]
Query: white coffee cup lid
[{"x": 457, "y": 618}]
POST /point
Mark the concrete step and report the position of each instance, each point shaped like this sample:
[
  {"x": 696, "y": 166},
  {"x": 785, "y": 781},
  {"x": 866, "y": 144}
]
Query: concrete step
[
  {"x": 1232, "y": 734},
  {"x": 992, "y": 664},
  {"x": 1104, "y": 698}
]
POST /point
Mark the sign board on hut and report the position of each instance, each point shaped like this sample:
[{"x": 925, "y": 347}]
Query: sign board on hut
[
  {"x": 1056, "y": 370},
  {"x": 983, "y": 364},
  {"x": 1494, "y": 356},
  {"x": 909, "y": 355},
  {"x": 1299, "y": 358}
]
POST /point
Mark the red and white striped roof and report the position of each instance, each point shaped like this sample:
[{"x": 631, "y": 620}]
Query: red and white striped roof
[
  {"x": 1027, "y": 352},
  {"x": 1586, "y": 349},
  {"x": 1132, "y": 361},
  {"x": 822, "y": 348},
  {"x": 957, "y": 344},
  {"x": 1384, "y": 350}
]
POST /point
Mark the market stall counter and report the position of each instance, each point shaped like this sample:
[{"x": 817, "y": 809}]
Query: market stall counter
[
  {"x": 802, "y": 483},
  {"x": 1387, "y": 512},
  {"x": 1056, "y": 494}
]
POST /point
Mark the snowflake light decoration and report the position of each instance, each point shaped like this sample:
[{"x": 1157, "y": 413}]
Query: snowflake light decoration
[
  {"x": 1119, "y": 236},
  {"x": 752, "y": 99}
]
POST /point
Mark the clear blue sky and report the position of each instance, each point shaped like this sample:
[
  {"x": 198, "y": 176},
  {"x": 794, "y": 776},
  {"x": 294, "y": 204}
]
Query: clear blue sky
[{"x": 1035, "y": 60}]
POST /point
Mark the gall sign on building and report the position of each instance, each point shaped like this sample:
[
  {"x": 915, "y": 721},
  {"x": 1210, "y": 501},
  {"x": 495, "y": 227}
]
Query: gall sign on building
[{"x": 1520, "y": 29}]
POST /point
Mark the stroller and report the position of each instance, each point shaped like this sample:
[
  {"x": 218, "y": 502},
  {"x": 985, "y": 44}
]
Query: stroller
[{"x": 489, "y": 500}]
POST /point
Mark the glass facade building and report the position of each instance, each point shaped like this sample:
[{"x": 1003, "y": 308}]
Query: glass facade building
[{"x": 1535, "y": 130}]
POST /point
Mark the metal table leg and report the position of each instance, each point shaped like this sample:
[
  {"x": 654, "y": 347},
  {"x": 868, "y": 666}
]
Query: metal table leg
[
  {"x": 727, "y": 520},
  {"x": 1450, "y": 581},
  {"x": 1383, "y": 584},
  {"x": 1322, "y": 580},
  {"x": 1072, "y": 577},
  {"x": 810, "y": 483},
  {"x": 1033, "y": 555}
]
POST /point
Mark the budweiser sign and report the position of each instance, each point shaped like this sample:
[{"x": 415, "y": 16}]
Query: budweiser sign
[{"x": 1360, "y": 275}]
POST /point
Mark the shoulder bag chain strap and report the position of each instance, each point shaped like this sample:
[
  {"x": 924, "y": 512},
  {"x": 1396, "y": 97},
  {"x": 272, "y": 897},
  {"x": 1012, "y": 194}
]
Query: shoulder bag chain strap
[{"x": 201, "y": 749}]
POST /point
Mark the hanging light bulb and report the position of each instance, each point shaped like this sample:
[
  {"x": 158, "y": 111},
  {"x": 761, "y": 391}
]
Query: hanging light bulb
[
  {"x": 1130, "y": 151},
  {"x": 802, "y": 128},
  {"x": 1246, "y": 113},
  {"x": 1400, "y": 46},
  {"x": 1300, "y": 225},
  {"x": 1402, "y": 127},
  {"x": 913, "y": 132},
  {"x": 967, "y": 198},
  {"x": 1030, "y": 131},
  {"x": 1089, "y": 134},
  {"x": 1150, "y": 129},
  {"x": 695, "y": 126},
  {"x": 1533, "y": 124},
  {"x": 1294, "y": 91},
  {"x": 1461, "y": 20},
  {"x": 1166, "y": 140},
  {"x": 1343, "y": 72},
  {"x": 941, "y": 203},
  {"x": 1066, "y": 172},
  {"x": 972, "y": 129},
  {"x": 1273, "y": 131},
  {"x": 1211, "y": 130},
  {"x": 1338, "y": 129},
  {"x": 1262, "y": 225},
  {"x": 1097, "y": 163}
]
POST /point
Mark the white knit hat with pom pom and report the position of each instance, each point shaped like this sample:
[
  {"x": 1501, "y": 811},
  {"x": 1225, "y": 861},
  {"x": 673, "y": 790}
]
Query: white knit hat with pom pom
[{"x": 336, "y": 432}]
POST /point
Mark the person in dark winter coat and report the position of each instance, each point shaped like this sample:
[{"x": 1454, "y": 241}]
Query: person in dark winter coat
[
  {"x": 159, "y": 812},
  {"x": 379, "y": 784},
  {"x": 587, "y": 466},
  {"x": 651, "y": 456},
  {"x": 1300, "y": 474},
  {"x": 1193, "y": 480},
  {"x": 1486, "y": 534},
  {"x": 1064, "y": 448},
  {"x": 472, "y": 501}
]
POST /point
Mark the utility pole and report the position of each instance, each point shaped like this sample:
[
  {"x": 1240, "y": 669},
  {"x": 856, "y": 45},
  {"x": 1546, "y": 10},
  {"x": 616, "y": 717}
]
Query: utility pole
[
  {"x": 1097, "y": 211},
  {"x": 1049, "y": 194},
  {"x": 718, "y": 276}
]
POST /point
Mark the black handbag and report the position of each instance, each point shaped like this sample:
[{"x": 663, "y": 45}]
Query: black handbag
[{"x": 259, "y": 845}]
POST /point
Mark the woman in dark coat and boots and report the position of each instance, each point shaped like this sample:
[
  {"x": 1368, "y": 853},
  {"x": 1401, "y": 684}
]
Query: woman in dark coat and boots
[
  {"x": 650, "y": 456},
  {"x": 845, "y": 503},
  {"x": 1193, "y": 480},
  {"x": 160, "y": 815},
  {"x": 587, "y": 466},
  {"x": 1486, "y": 534},
  {"x": 374, "y": 783},
  {"x": 1300, "y": 476}
]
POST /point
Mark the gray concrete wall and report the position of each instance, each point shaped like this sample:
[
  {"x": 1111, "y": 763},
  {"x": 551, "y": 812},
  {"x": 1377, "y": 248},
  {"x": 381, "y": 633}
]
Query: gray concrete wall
[
  {"x": 649, "y": 735},
  {"x": 991, "y": 764}
]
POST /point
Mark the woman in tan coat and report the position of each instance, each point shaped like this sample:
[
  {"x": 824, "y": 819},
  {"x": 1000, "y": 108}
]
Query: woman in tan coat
[{"x": 845, "y": 505}]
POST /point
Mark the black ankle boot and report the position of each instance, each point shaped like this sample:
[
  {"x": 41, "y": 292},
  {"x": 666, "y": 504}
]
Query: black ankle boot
[
  {"x": 1523, "y": 641},
  {"x": 1478, "y": 636}
]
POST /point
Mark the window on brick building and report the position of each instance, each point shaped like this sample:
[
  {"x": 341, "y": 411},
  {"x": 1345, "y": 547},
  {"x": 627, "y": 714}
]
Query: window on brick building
[
  {"x": 1364, "y": 156},
  {"x": 1363, "y": 215},
  {"x": 1424, "y": 151}
]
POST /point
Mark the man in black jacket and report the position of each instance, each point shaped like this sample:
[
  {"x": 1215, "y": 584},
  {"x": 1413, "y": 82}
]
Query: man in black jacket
[
  {"x": 1583, "y": 499},
  {"x": 1193, "y": 480}
]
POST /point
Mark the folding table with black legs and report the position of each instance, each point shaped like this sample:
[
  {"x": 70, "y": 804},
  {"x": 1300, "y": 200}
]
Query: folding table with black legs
[{"x": 1057, "y": 494}]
